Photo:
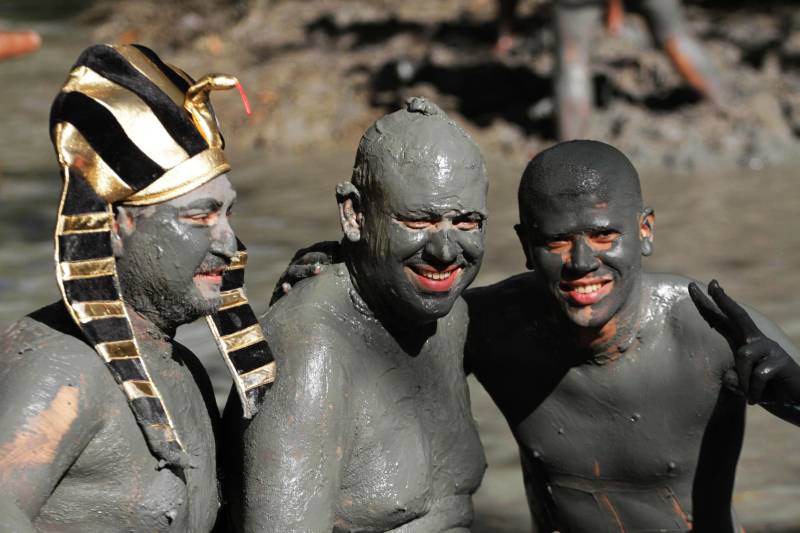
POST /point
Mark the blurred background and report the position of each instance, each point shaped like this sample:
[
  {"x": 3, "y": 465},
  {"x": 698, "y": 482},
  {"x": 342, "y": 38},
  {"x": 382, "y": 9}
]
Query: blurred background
[{"x": 715, "y": 134}]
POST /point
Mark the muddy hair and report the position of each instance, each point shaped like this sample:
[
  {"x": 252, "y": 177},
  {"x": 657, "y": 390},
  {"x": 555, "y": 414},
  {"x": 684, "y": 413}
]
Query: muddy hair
[
  {"x": 575, "y": 168},
  {"x": 388, "y": 136}
]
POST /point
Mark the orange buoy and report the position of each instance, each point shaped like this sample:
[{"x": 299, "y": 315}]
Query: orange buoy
[{"x": 17, "y": 43}]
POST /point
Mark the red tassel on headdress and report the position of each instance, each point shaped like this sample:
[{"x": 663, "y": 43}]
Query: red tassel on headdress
[{"x": 245, "y": 101}]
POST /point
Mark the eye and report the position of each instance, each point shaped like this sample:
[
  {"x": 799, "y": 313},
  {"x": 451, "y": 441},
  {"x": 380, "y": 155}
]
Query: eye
[
  {"x": 467, "y": 224},
  {"x": 200, "y": 219},
  {"x": 416, "y": 224},
  {"x": 557, "y": 244},
  {"x": 604, "y": 237}
]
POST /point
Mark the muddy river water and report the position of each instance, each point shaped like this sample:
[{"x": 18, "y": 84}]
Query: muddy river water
[{"x": 739, "y": 226}]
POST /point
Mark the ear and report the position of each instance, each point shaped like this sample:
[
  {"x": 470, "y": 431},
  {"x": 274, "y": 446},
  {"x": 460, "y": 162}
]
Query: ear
[
  {"x": 522, "y": 235},
  {"x": 124, "y": 225},
  {"x": 350, "y": 215},
  {"x": 646, "y": 222}
]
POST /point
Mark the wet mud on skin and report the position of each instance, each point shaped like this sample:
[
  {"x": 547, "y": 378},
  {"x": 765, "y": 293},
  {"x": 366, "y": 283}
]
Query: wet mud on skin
[{"x": 738, "y": 226}]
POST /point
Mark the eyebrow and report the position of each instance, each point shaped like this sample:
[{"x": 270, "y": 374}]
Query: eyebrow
[{"x": 208, "y": 204}]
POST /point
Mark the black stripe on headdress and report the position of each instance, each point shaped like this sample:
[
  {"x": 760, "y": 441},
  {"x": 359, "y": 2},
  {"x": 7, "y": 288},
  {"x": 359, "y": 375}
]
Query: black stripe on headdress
[
  {"x": 174, "y": 77},
  {"x": 232, "y": 321},
  {"x": 108, "y": 63},
  {"x": 91, "y": 289},
  {"x": 107, "y": 138},
  {"x": 84, "y": 246},
  {"x": 80, "y": 197},
  {"x": 251, "y": 357}
]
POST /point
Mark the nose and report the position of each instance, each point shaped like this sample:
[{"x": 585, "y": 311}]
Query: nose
[
  {"x": 223, "y": 240},
  {"x": 442, "y": 247},
  {"x": 582, "y": 260}
]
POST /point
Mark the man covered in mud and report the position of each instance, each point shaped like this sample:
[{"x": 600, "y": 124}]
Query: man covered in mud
[
  {"x": 106, "y": 423},
  {"x": 369, "y": 426},
  {"x": 628, "y": 410}
]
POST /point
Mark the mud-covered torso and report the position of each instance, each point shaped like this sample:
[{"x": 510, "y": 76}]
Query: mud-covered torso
[
  {"x": 412, "y": 442},
  {"x": 116, "y": 484},
  {"x": 616, "y": 444}
]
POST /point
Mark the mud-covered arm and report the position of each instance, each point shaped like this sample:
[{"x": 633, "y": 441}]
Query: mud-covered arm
[
  {"x": 765, "y": 360},
  {"x": 294, "y": 448},
  {"x": 50, "y": 408}
]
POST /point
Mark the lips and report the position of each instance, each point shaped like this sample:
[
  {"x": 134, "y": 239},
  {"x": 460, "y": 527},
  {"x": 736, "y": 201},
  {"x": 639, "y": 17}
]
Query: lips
[
  {"x": 434, "y": 280},
  {"x": 586, "y": 291},
  {"x": 210, "y": 276}
]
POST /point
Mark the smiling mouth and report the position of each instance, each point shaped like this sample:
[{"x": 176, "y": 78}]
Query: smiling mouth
[
  {"x": 210, "y": 276},
  {"x": 584, "y": 292},
  {"x": 431, "y": 279}
]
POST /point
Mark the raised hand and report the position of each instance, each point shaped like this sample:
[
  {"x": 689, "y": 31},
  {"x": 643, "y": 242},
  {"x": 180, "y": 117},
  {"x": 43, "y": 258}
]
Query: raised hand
[
  {"x": 766, "y": 372},
  {"x": 306, "y": 262}
]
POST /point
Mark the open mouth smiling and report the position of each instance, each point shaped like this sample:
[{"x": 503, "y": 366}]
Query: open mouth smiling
[
  {"x": 210, "y": 276},
  {"x": 431, "y": 279},
  {"x": 586, "y": 291}
]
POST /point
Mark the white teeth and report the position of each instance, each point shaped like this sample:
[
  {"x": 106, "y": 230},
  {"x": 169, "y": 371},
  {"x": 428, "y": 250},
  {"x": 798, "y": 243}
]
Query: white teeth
[
  {"x": 436, "y": 276},
  {"x": 586, "y": 289}
]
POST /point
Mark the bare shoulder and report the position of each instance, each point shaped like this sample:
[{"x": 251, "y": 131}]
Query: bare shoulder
[
  {"x": 669, "y": 304},
  {"x": 310, "y": 330},
  {"x": 47, "y": 346}
]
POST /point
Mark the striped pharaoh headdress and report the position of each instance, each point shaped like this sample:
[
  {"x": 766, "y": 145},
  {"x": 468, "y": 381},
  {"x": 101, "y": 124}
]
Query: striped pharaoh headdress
[{"x": 129, "y": 129}]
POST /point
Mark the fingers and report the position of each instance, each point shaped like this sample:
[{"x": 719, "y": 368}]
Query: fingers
[
  {"x": 710, "y": 312},
  {"x": 296, "y": 273},
  {"x": 739, "y": 318},
  {"x": 745, "y": 359},
  {"x": 758, "y": 363}
]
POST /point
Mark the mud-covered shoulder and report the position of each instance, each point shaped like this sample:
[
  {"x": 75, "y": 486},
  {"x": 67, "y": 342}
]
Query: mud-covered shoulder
[
  {"x": 670, "y": 305},
  {"x": 48, "y": 344},
  {"x": 55, "y": 383},
  {"x": 311, "y": 325},
  {"x": 321, "y": 301}
]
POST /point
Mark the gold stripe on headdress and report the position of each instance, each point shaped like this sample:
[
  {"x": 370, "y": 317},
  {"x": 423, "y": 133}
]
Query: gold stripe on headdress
[
  {"x": 186, "y": 177},
  {"x": 135, "y": 388},
  {"x": 132, "y": 113},
  {"x": 242, "y": 338},
  {"x": 87, "y": 268},
  {"x": 168, "y": 431},
  {"x": 238, "y": 261},
  {"x": 258, "y": 377},
  {"x": 88, "y": 311},
  {"x": 118, "y": 350},
  {"x": 76, "y": 152},
  {"x": 232, "y": 298},
  {"x": 150, "y": 71},
  {"x": 85, "y": 223}
]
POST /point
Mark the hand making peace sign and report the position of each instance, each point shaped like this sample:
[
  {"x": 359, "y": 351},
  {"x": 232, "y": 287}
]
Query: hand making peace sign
[{"x": 766, "y": 372}]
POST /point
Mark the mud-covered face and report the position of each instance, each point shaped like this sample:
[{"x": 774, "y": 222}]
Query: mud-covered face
[
  {"x": 588, "y": 250},
  {"x": 424, "y": 227},
  {"x": 173, "y": 254}
]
